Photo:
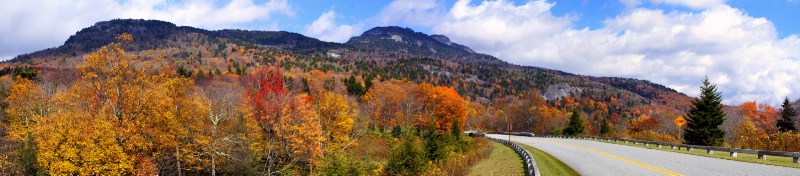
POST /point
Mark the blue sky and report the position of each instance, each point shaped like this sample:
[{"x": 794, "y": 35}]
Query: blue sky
[{"x": 748, "y": 47}]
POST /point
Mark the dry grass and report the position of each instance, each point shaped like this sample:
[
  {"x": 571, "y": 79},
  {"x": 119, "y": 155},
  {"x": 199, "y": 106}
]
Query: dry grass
[
  {"x": 374, "y": 148},
  {"x": 457, "y": 164}
]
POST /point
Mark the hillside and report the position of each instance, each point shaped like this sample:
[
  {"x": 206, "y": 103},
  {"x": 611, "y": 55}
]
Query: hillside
[{"x": 383, "y": 53}]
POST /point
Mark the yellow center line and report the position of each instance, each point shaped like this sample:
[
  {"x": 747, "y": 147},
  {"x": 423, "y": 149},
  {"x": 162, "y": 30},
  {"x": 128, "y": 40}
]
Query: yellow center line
[{"x": 664, "y": 171}]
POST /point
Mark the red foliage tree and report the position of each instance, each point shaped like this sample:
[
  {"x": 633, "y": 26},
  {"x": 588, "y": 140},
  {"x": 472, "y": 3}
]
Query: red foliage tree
[{"x": 266, "y": 95}]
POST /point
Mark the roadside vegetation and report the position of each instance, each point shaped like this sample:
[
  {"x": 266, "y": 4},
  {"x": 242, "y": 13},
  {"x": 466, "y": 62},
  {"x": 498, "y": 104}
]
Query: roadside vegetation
[{"x": 502, "y": 161}]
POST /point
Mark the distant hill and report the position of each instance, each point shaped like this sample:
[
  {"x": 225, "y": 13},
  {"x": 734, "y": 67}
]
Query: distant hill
[
  {"x": 154, "y": 32},
  {"x": 387, "y": 52}
]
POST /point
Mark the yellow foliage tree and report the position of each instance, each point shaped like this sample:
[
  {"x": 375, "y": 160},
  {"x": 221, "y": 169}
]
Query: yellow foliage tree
[
  {"x": 27, "y": 103},
  {"x": 747, "y": 135},
  {"x": 300, "y": 130},
  {"x": 336, "y": 119},
  {"x": 74, "y": 141},
  {"x": 148, "y": 113}
]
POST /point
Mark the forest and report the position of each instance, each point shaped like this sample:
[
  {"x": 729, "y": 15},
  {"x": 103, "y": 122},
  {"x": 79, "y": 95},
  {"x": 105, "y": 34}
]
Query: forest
[{"x": 125, "y": 114}]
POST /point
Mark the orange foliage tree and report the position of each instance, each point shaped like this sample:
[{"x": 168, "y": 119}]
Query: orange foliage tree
[
  {"x": 386, "y": 105},
  {"x": 448, "y": 108},
  {"x": 763, "y": 116},
  {"x": 642, "y": 123}
]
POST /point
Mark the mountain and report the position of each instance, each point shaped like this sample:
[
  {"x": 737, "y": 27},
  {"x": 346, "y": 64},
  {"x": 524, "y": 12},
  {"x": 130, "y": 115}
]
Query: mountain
[
  {"x": 154, "y": 33},
  {"x": 405, "y": 41},
  {"x": 384, "y": 52}
]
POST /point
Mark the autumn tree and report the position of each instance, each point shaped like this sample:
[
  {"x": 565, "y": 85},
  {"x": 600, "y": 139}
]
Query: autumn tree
[
  {"x": 120, "y": 92},
  {"x": 642, "y": 123},
  {"x": 28, "y": 104},
  {"x": 763, "y": 115},
  {"x": 786, "y": 123},
  {"x": 527, "y": 110},
  {"x": 388, "y": 105},
  {"x": 746, "y": 135},
  {"x": 336, "y": 118},
  {"x": 289, "y": 128},
  {"x": 705, "y": 117},
  {"x": 449, "y": 108},
  {"x": 78, "y": 142},
  {"x": 221, "y": 100},
  {"x": 476, "y": 113}
]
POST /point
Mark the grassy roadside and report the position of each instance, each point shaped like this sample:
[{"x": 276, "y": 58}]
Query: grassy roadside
[
  {"x": 548, "y": 165},
  {"x": 502, "y": 161},
  {"x": 750, "y": 158}
]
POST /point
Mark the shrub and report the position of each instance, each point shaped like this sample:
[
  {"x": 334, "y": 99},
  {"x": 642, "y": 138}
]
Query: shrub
[
  {"x": 407, "y": 158},
  {"x": 650, "y": 135},
  {"x": 338, "y": 164}
]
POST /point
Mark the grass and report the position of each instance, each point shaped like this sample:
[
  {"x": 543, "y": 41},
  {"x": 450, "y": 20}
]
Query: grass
[
  {"x": 502, "y": 161},
  {"x": 548, "y": 165},
  {"x": 750, "y": 158}
]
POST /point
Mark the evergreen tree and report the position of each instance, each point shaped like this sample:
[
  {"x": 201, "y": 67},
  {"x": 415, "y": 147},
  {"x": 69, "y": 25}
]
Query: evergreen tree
[
  {"x": 407, "y": 158},
  {"x": 786, "y": 123},
  {"x": 354, "y": 87},
  {"x": 575, "y": 124},
  {"x": 605, "y": 129},
  {"x": 705, "y": 117},
  {"x": 24, "y": 72}
]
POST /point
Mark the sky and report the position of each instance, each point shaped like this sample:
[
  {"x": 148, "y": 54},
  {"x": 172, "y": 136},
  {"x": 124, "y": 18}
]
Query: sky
[{"x": 749, "y": 48}]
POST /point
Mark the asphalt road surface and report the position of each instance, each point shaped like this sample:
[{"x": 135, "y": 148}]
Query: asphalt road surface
[{"x": 597, "y": 158}]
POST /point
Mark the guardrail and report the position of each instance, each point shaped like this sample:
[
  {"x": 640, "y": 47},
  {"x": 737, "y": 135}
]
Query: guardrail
[
  {"x": 530, "y": 164},
  {"x": 762, "y": 154}
]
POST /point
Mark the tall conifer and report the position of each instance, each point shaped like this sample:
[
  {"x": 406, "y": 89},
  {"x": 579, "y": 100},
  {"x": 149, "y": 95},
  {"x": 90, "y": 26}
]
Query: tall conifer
[
  {"x": 705, "y": 117},
  {"x": 786, "y": 123},
  {"x": 575, "y": 124}
]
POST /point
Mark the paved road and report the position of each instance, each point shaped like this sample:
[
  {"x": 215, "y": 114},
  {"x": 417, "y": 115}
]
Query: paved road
[{"x": 597, "y": 158}]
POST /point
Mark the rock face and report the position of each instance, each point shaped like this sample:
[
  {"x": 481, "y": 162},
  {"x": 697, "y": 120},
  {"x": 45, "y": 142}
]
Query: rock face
[
  {"x": 557, "y": 91},
  {"x": 443, "y": 39}
]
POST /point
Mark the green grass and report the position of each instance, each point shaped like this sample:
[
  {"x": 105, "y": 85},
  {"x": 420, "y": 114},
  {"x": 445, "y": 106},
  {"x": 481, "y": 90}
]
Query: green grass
[
  {"x": 750, "y": 158},
  {"x": 548, "y": 165},
  {"x": 502, "y": 161}
]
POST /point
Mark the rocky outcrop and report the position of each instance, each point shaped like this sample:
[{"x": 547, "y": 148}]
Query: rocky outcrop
[{"x": 557, "y": 91}]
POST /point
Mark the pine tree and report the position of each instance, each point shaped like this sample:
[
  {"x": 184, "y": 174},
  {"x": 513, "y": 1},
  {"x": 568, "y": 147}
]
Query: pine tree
[
  {"x": 575, "y": 124},
  {"x": 786, "y": 123},
  {"x": 606, "y": 128},
  {"x": 705, "y": 117}
]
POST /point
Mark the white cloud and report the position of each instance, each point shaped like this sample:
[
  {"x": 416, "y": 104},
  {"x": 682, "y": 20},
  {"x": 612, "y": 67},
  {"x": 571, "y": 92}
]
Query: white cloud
[
  {"x": 697, "y": 4},
  {"x": 206, "y": 14},
  {"x": 39, "y": 24},
  {"x": 325, "y": 28},
  {"x": 742, "y": 54},
  {"x": 630, "y": 3},
  {"x": 410, "y": 12}
]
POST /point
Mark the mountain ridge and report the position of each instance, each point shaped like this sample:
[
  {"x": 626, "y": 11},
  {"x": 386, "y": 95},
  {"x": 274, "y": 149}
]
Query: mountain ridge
[{"x": 386, "y": 42}]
